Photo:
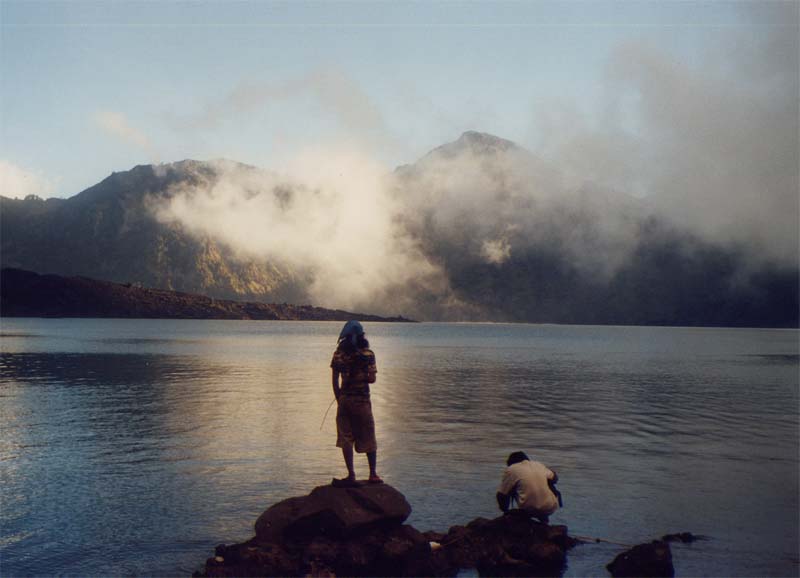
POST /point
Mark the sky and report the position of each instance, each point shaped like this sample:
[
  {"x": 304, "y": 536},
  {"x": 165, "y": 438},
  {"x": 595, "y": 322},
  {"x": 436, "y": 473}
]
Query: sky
[{"x": 92, "y": 87}]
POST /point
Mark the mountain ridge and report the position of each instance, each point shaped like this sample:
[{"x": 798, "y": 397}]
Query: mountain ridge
[
  {"x": 506, "y": 242},
  {"x": 108, "y": 231}
]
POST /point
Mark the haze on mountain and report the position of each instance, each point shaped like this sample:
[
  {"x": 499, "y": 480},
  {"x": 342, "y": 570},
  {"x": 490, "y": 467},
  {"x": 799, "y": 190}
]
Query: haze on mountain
[{"x": 477, "y": 229}]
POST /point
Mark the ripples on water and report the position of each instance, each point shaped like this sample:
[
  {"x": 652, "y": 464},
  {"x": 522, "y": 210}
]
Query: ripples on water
[{"x": 133, "y": 447}]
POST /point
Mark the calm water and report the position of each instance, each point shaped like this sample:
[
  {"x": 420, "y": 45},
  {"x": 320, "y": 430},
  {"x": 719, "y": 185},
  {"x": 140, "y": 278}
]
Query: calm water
[{"x": 133, "y": 447}]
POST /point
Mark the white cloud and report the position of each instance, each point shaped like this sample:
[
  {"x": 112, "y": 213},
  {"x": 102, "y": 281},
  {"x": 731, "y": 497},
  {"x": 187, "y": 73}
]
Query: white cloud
[
  {"x": 711, "y": 143},
  {"x": 330, "y": 215},
  {"x": 118, "y": 125},
  {"x": 18, "y": 182},
  {"x": 326, "y": 93},
  {"x": 496, "y": 251}
]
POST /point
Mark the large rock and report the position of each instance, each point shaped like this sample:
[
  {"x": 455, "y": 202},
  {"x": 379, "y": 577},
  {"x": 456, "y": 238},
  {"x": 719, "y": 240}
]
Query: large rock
[
  {"x": 359, "y": 531},
  {"x": 511, "y": 545},
  {"x": 653, "y": 559},
  {"x": 332, "y": 511},
  {"x": 250, "y": 560},
  {"x": 381, "y": 551}
]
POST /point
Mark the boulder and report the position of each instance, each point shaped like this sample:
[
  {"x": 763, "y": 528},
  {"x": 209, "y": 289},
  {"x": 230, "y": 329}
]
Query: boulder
[
  {"x": 653, "y": 559},
  {"x": 510, "y": 545},
  {"x": 250, "y": 560},
  {"x": 332, "y": 511},
  {"x": 684, "y": 537},
  {"x": 359, "y": 531},
  {"x": 387, "y": 551}
]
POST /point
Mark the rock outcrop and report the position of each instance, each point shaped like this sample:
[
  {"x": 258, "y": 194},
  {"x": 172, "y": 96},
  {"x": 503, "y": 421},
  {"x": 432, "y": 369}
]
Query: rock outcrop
[
  {"x": 653, "y": 559},
  {"x": 360, "y": 531},
  {"x": 332, "y": 511},
  {"x": 510, "y": 545}
]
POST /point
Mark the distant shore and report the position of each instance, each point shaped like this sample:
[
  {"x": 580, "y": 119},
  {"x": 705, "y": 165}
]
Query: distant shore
[{"x": 28, "y": 294}]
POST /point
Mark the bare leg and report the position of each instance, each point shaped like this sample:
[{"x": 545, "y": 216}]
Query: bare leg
[
  {"x": 372, "y": 458},
  {"x": 347, "y": 453}
]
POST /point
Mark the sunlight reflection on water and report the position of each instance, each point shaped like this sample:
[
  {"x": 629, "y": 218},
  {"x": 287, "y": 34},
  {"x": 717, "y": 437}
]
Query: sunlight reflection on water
[{"x": 171, "y": 436}]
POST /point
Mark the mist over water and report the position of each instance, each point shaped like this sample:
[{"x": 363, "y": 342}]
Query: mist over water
[{"x": 137, "y": 446}]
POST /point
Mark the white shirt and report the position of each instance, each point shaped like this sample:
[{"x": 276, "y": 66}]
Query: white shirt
[{"x": 530, "y": 480}]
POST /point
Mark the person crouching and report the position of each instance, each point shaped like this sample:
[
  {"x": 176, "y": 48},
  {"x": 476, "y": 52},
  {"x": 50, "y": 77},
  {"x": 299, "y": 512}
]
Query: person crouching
[{"x": 531, "y": 485}]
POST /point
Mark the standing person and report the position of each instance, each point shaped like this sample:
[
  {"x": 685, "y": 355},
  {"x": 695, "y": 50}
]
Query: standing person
[
  {"x": 354, "y": 362},
  {"x": 531, "y": 484}
]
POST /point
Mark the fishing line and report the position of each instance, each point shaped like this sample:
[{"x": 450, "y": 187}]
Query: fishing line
[
  {"x": 589, "y": 539},
  {"x": 326, "y": 414}
]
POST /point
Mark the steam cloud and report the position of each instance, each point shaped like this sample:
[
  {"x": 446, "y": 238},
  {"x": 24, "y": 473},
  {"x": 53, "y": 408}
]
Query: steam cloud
[
  {"x": 329, "y": 216},
  {"x": 710, "y": 147},
  {"x": 332, "y": 89},
  {"x": 715, "y": 144},
  {"x": 15, "y": 181},
  {"x": 118, "y": 125}
]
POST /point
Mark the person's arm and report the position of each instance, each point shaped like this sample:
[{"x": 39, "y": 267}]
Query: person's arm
[
  {"x": 372, "y": 370},
  {"x": 507, "y": 489},
  {"x": 503, "y": 500},
  {"x": 335, "y": 383},
  {"x": 552, "y": 479}
]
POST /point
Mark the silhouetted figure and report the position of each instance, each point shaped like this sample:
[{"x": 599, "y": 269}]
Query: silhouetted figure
[
  {"x": 531, "y": 485},
  {"x": 354, "y": 362}
]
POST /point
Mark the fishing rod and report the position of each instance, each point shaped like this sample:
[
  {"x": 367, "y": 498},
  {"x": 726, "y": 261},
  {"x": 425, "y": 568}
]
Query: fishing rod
[{"x": 326, "y": 414}]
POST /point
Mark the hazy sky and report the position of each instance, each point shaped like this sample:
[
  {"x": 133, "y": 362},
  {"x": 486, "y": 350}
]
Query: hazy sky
[{"x": 94, "y": 87}]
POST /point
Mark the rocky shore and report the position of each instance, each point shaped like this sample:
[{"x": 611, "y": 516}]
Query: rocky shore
[
  {"x": 361, "y": 531},
  {"x": 29, "y": 294}
]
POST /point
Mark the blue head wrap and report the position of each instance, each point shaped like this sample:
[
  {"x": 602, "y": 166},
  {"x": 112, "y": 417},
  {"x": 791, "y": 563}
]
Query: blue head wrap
[{"x": 351, "y": 330}]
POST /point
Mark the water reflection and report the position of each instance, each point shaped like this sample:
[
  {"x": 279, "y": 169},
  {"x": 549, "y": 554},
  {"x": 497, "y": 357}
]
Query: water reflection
[
  {"x": 133, "y": 447},
  {"x": 664, "y": 435}
]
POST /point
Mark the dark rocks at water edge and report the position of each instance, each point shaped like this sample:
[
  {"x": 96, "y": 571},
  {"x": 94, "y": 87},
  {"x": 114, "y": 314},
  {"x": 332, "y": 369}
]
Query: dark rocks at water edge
[
  {"x": 360, "y": 531},
  {"x": 28, "y": 294},
  {"x": 653, "y": 559},
  {"x": 683, "y": 537}
]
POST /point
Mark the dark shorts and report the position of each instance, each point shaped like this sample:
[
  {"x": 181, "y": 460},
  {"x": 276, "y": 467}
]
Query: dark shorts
[{"x": 355, "y": 424}]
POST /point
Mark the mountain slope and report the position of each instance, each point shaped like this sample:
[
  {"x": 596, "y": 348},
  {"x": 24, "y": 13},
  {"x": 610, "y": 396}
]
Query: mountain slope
[
  {"x": 477, "y": 229},
  {"x": 518, "y": 244},
  {"x": 110, "y": 232},
  {"x": 28, "y": 294}
]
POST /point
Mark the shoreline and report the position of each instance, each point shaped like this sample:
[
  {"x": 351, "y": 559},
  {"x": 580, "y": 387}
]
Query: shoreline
[{"x": 28, "y": 294}]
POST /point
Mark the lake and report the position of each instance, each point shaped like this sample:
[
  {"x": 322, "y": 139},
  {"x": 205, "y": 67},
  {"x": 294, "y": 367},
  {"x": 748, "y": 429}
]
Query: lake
[{"x": 133, "y": 447}]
